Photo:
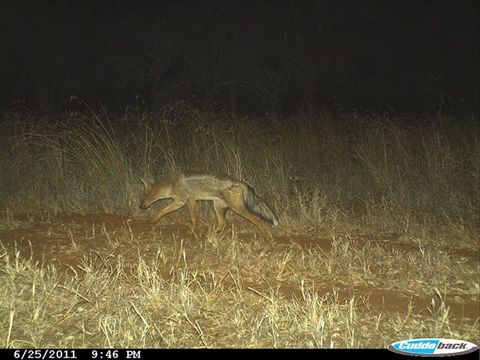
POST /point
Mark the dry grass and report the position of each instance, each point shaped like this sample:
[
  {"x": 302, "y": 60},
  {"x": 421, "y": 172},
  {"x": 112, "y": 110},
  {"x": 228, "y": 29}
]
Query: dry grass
[
  {"x": 381, "y": 173},
  {"x": 177, "y": 292},
  {"x": 378, "y": 238}
]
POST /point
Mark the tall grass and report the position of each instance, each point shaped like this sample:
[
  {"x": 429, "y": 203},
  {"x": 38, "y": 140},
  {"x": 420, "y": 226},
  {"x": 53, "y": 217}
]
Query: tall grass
[{"x": 377, "y": 171}]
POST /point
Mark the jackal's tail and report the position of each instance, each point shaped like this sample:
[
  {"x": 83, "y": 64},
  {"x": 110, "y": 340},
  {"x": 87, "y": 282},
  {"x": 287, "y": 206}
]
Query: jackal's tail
[{"x": 258, "y": 206}]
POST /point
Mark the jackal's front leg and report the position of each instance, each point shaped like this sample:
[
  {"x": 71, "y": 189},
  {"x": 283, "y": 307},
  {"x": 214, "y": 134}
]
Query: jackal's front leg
[{"x": 170, "y": 208}]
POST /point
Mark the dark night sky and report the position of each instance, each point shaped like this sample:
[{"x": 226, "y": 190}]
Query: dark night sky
[{"x": 244, "y": 56}]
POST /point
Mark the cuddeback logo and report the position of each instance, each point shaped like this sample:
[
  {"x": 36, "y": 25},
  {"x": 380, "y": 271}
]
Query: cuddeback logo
[{"x": 432, "y": 347}]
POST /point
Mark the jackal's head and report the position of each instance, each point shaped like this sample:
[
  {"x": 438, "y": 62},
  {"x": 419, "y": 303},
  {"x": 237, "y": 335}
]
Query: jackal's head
[{"x": 153, "y": 192}]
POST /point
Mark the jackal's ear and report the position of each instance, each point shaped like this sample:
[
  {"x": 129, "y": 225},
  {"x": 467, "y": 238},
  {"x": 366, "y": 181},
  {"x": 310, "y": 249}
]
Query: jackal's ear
[{"x": 146, "y": 183}]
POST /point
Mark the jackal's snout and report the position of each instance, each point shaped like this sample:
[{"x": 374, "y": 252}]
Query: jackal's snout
[
  {"x": 144, "y": 205},
  {"x": 146, "y": 201}
]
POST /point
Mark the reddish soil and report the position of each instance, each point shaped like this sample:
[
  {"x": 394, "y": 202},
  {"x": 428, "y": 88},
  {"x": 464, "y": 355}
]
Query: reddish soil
[{"x": 49, "y": 240}]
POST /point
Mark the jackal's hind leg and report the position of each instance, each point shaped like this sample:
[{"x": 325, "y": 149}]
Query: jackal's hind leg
[
  {"x": 220, "y": 210},
  {"x": 241, "y": 210},
  {"x": 192, "y": 211}
]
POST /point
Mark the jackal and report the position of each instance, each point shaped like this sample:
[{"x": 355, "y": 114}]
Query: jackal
[{"x": 186, "y": 187}]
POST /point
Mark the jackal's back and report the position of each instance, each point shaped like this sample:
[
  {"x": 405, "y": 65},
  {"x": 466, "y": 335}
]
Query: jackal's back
[{"x": 200, "y": 185}]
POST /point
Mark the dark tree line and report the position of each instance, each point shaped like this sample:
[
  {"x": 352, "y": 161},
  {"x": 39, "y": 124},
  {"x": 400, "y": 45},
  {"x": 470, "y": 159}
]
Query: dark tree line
[{"x": 242, "y": 56}]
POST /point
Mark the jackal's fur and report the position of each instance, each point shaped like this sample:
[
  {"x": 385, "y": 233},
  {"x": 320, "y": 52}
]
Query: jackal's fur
[{"x": 186, "y": 187}]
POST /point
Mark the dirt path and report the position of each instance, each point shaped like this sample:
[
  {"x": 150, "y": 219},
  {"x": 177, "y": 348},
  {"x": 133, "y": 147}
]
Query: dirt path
[{"x": 63, "y": 240}]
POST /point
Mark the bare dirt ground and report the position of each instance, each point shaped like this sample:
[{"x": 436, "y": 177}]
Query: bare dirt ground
[{"x": 65, "y": 239}]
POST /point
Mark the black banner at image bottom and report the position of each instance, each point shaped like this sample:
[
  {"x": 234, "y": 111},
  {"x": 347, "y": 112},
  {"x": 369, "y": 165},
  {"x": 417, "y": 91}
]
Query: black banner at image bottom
[{"x": 120, "y": 354}]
